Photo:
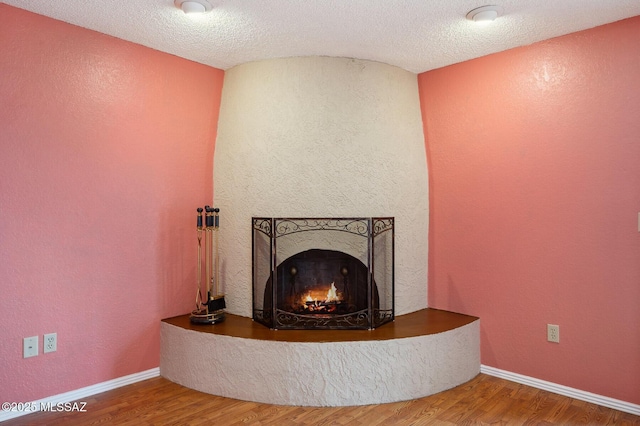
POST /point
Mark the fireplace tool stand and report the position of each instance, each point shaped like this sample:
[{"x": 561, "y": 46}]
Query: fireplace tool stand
[{"x": 211, "y": 311}]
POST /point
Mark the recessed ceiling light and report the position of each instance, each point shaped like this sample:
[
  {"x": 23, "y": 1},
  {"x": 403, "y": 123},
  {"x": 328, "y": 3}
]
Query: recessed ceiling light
[
  {"x": 193, "y": 6},
  {"x": 484, "y": 14}
]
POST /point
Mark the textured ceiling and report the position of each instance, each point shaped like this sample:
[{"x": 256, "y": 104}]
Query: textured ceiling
[{"x": 417, "y": 35}]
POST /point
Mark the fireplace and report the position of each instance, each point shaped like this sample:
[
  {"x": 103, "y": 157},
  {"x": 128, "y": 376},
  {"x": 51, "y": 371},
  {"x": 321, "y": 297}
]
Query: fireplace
[{"x": 311, "y": 273}]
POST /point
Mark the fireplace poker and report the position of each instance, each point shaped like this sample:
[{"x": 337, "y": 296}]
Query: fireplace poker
[
  {"x": 199, "y": 268},
  {"x": 199, "y": 315}
]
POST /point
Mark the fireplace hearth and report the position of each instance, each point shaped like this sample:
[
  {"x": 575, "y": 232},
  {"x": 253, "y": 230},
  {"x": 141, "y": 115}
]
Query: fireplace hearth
[{"x": 311, "y": 273}]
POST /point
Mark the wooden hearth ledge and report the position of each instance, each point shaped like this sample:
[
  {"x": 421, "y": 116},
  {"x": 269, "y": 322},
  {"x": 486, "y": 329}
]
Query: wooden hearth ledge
[
  {"x": 419, "y": 354},
  {"x": 420, "y": 323}
]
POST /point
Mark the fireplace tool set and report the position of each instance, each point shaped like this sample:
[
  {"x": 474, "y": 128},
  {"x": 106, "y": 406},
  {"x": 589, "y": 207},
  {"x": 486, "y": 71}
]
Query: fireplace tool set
[{"x": 211, "y": 311}]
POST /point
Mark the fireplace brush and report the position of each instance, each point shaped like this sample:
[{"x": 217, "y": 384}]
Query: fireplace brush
[{"x": 212, "y": 311}]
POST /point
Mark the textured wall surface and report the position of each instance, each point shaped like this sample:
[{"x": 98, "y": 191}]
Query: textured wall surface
[
  {"x": 105, "y": 152},
  {"x": 414, "y": 35},
  {"x": 320, "y": 374},
  {"x": 535, "y": 165},
  {"x": 321, "y": 137}
]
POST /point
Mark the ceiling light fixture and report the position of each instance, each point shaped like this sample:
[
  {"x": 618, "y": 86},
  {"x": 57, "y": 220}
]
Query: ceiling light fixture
[
  {"x": 193, "y": 6},
  {"x": 484, "y": 14}
]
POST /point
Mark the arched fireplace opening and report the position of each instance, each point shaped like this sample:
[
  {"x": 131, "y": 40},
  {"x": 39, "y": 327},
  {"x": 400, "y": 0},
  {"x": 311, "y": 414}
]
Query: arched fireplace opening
[
  {"x": 347, "y": 285},
  {"x": 322, "y": 283}
]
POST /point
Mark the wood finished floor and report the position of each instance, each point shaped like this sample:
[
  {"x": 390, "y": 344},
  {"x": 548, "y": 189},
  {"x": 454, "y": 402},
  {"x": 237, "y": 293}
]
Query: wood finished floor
[{"x": 483, "y": 400}]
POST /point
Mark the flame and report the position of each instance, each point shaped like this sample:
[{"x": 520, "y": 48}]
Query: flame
[
  {"x": 332, "y": 294},
  {"x": 316, "y": 298}
]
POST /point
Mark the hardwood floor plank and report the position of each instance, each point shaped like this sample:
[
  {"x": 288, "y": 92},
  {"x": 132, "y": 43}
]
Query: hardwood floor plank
[{"x": 482, "y": 400}]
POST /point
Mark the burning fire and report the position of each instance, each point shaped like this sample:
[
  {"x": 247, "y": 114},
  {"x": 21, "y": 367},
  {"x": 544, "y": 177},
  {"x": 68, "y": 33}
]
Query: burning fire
[
  {"x": 315, "y": 299},
  {"x": 332, "y": 294}
]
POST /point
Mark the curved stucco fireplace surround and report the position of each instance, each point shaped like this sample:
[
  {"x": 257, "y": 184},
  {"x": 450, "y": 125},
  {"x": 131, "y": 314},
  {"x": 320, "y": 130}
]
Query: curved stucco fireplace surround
[{"x": 320, "y": 137}]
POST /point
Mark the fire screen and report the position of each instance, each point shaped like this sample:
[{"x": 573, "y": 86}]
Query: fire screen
[{"x": 311, "y": 273}]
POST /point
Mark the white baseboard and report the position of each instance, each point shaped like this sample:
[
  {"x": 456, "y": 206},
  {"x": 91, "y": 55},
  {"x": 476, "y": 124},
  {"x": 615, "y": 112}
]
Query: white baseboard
[
  {"x": 81, "y": 393},
  {"x": 605, "y": 401},
  {"x": 78, "y": 394}
]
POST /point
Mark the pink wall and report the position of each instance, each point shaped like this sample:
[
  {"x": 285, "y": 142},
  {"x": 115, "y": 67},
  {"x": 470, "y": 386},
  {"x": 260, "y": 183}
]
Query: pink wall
[
  {"x": 105, "y": 152},
  {"x": 106, "y": 148},
  {"x": 534, "y": 157}
]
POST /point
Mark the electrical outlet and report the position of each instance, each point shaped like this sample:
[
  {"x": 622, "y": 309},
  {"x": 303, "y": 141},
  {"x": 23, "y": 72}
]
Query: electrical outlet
[
  {"x": 30, "y": 346},
  {"x": 50, "y": 343},
  {"x": 553, "y": 333}
]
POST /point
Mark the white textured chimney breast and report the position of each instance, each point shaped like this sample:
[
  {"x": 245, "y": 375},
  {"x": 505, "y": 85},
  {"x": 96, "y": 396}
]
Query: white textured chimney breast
[{"x": 321, "y": 137}]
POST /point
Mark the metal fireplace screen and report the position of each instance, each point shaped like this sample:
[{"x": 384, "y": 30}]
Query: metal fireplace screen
[{"x": 313, "y": 273}]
